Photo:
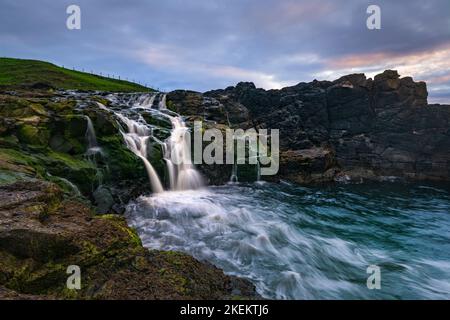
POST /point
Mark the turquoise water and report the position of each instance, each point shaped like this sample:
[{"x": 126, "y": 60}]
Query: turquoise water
[{"x": 310, "y": 243}]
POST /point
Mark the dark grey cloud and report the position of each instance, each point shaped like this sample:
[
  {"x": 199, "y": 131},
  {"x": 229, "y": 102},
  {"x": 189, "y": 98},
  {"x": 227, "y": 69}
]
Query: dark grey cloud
[{"x": 214, "y": 43}]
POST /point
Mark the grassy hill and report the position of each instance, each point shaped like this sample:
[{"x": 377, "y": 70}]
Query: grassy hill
[{"x": 19, "y": 72}]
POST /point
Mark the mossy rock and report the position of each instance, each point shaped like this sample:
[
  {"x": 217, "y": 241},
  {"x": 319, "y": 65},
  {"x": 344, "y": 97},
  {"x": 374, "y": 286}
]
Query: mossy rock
[
  {"x": 158, "y": 121},
  {"x": 32, "y": 135},
  {"x": 122, "y": 163},
  {"x": 79, "y": 171},
  {"x": 14, "y": 107},
  {"x": 61, "y": 107},
  {"x": 104, "y": 123},
  {"x": 76, "y": 126},
  {"x": 155, "y": 156},
  {"x": 68, "y": 134},
  {"x": 16, "y": 162}
]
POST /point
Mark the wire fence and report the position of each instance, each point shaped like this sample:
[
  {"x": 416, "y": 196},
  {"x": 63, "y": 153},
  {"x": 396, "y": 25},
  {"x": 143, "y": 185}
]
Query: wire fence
[{"x": 109, "y": 76}]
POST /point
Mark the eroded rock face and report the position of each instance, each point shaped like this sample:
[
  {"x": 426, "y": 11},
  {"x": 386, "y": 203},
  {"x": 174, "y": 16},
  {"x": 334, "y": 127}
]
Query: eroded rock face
[
  {"x": 44, "y": 137},
  {"x": 41, "y": 234},
  {"x": 372, "y": 127}
]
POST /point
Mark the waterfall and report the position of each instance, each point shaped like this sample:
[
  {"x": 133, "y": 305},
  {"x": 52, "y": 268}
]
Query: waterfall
[
  {"x": 182, "y": 173},
  {"x": 177, "y": 154},
  {"x": 145, "y": 101},
  {"x": 91, "y": 137},
  {"x": 234, "y": 175},
  {"x": 162, "y": 102},
  {"x": 258, "y": 171},
  {"x": 176, "y": 148},
  {"x": 136, "y": 140}
]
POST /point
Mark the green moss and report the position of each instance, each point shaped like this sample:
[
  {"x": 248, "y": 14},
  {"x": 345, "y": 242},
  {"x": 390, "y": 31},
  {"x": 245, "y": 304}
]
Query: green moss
[
  {"x": 110, "y": 217},
  {"x": 170, "y": 105},
  {"x": 29, "y": 134},
  {"x": 173, "y": 257},
  {"x": 66, "y": 186},
  {"x": 120, "y": 222},
  {"x": 16, "y": 162},
  {"x": 101, "y": 100},
  {"x": 122, "y": 162},
  {"x": 70, "y": 294},
  {"x": 77, "y": 170},
  {"x": 89, "y": 248},
  {"x": 9, "y": 142},
  {"x": 28, "y": 279},
  {"x": 61, "y": 107},
  {"x": 132, "y": 233},
  {"x": 38, "y": 109}
]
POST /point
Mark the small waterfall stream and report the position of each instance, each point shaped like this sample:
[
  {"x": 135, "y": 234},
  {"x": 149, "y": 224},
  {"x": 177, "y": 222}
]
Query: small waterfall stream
[
  {"x": 91, "y": 138},
  {"x": 162, "y": 103},
  {"x": 234, "y": 174}
]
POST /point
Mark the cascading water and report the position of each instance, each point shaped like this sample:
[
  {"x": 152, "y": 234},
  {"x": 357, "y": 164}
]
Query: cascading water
[
  {"x": 137, "y": 141},
  {"x": 145, "y": 101},
  {"x": 182, "y": 174},
  {"x": 91, "y": 137},
  {"x": 234, "y": 174},
  {"x": 177, "y": 154},
  {"x": 258, "y": 172},
  {"x": 176, "y": 148},
  {"x": 162, "y": 102}
]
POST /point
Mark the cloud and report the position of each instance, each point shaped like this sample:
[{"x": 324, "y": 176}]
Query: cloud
[
  {"x": 421, "y": 64},
  {"x": 431, "y": 66},
  {"x": 172, "y": 58},
  {"x": 202, "y": 45}
]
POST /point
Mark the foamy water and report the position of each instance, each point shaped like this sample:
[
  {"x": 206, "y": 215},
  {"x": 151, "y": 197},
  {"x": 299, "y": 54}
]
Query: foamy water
[{"x": 308, "y": 243}]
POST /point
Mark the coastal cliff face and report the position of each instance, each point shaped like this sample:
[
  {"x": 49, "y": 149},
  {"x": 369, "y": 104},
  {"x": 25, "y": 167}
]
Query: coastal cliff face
[{"x": 351, "y": 129}]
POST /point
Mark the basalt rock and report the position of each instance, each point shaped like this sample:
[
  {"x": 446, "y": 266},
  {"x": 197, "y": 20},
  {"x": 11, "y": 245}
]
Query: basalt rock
[{"x": 375, "y": 127}]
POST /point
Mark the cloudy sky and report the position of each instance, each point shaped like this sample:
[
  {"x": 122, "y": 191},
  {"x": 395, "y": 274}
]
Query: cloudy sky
[{"x": 207, "y": 44}]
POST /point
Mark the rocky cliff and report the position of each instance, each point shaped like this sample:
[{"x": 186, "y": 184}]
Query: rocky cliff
[{"x": 353, "y": 128}]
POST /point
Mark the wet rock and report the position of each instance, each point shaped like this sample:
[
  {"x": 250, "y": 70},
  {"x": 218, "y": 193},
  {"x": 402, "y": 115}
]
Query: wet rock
[
  {"x": 104, "y": 200},
  {"x": 41, "y": 234}
]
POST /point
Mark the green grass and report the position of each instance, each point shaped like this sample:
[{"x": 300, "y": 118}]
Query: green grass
[{"x": 19, "y": 72}]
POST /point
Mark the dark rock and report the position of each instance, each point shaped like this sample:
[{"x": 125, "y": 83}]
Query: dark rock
[
  {"x": 382, "y": 125},
  {"x": 104, "y": 200}
]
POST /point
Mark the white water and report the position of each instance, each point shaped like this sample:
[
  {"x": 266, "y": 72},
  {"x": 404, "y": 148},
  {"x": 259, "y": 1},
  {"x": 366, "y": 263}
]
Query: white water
[
  {"x": 177, "y": 154},
  {"x": 176, "y": 149},
  {"x": 162, "y": 103},
  {"x": 309, "y": 243},
  {"x": 91, "y": 137},
  {"x": 145, "y": 101},
  {"x": 137, "y": 140},
  {"x": 234, "y": 174}
]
